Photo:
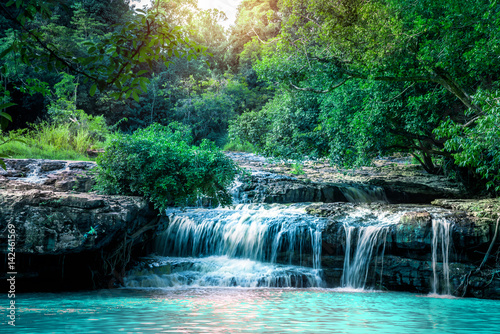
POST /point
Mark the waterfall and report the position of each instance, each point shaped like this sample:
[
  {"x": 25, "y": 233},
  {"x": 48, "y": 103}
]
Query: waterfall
[
  {"x": 239, "y": 196},
  {"x": 247, "y": 245},
  {"x": 364, "y": 194},
  {"x": 34, "y": 175},
  {"x": 441, "y": 233},
  {"x": 366, "y": 234},
  {"x": 370, "y": 240}
]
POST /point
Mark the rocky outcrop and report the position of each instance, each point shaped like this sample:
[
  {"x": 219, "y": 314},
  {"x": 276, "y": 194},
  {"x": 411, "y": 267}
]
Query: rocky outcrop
[
  {"x": 267, "y": 187},
  {"x": 407, "y": 247},
  {"x": 59, "y": 175},
  {"x": 269, "y": 181},
  {"x": 70, "y": 240}
]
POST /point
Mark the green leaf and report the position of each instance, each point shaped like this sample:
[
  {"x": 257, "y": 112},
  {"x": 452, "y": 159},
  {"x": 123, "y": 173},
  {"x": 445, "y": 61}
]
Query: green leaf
[
  {"x": 6, "y": 51},
  {"x": 6, "y": 105},
  {"x": 144, "y": 88},
  {"x": 93, "y": 90},
  {"x": 135, "y": 96},
  {"x": 5, "y": 115},
  {"x": 20, "y": 140}
]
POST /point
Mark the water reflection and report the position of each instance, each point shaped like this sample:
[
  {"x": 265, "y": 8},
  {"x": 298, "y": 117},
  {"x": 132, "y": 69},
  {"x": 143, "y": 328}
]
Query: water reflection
[{"x": 235, "y": 310}]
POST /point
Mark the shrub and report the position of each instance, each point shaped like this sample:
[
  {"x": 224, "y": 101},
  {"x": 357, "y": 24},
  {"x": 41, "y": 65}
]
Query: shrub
[{"x": 160, "y": 164}]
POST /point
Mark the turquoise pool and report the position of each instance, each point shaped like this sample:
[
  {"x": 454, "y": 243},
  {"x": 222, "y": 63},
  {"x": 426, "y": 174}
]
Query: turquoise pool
[{"x": 244, "y": 310}]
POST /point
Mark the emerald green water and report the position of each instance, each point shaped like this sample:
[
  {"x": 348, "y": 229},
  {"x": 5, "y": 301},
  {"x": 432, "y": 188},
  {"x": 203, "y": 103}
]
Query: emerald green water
[{"x": 240, "y": 310}]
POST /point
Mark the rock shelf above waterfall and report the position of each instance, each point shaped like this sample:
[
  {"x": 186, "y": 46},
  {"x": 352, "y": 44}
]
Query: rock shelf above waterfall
[{"x": 269, "y": 181}]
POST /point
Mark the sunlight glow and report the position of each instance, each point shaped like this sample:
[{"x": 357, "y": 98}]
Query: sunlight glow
[{"x": 227, "y": 6}]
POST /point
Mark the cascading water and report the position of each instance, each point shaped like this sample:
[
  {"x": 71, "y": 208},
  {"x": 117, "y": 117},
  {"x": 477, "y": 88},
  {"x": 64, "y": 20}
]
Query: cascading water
[
  {"x": 364, "y": 194},
  {"x": 34, "y": 175},
  {"x": 366, "y": 234},
  {"x": 441, "y": 236},
  {"x": 247, "y": 245}
]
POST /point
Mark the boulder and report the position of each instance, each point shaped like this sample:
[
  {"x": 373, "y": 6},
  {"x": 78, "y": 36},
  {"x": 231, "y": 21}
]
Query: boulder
[{"x": 70, "y": 240}]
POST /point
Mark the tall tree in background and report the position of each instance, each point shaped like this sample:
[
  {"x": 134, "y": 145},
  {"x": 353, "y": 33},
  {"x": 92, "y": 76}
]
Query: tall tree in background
[
  {"x": 38, "y": 37},
  {"x": 391, "y": 75}
]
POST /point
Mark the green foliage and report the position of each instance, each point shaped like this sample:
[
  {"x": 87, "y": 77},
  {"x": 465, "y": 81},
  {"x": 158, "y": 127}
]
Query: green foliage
[
  {"x": 68, "y": 133},
  {"x": 208, "y": 114},
  {"x": 48, "y": 141},
  {"x": 360, "y": 79},
  {"x": 477, "y": 145},
  {"x": 159, "y": 164},
  {"x": 46, "y": 37},
  {"x": 285, "y": 127},
  {"x": 297, "y": 169},
  {"x": 257, "y": 20},
  {"x": 238, "y": 146}
]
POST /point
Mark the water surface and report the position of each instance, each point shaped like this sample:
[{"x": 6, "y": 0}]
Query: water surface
[{"x": 242, "y": 310}]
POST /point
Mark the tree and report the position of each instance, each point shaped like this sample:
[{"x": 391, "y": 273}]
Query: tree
[
  {"x": 114, "y": 59},
  {"x": 415, "y": 65}
]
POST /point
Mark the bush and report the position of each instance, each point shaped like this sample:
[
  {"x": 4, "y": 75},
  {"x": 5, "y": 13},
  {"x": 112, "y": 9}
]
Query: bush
[
  {"x": 238, "y": 146},
  {"x": 159, "y": 164}
]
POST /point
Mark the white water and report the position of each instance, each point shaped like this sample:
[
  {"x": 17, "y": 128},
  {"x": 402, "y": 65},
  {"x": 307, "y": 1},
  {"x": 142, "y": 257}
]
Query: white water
[
  {"x": 366, "y": 234},
  {"x": 364, "y": 194},
  {"x": 34, "y": 175},
  {"x": 246, "y": 245},
  {"x": 441, "y": 232},
  {"x": 256, "y": 245},
  {"x": 222, "y": 271}
]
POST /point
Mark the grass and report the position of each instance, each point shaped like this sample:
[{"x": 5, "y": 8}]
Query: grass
[
  {"x": 50, "y": 141},
  {"x": 238, "y": 146},
  {"x": 17, "y": 150},
  {"x": 297, "y": 169}
]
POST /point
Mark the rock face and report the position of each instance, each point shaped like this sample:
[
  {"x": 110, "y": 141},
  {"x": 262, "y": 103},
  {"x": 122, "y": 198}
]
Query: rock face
[
  {"x": 406, "y": 264},
  {"x": 266, "y": 187},
  {"x": 68, "y": 240},
  {"x": 59, "y": 175},
  {"x": 273, "y": 182}
]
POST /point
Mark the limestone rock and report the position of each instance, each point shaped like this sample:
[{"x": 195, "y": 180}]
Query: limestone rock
[
  {"x": 70, "y": 240},
  {"x": 414, "y": 231}
]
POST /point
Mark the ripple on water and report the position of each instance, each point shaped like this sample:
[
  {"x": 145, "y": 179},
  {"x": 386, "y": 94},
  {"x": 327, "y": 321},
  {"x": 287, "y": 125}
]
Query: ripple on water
[{"x": 240, "y": 310}]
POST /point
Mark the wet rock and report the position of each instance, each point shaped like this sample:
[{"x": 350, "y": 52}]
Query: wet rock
[
  {"x": 401, "y": 183},
  {"x": 59, "y": 175},
  {"x": 414, "y": 231},
  {"x": 403, "y": 274},
  {"x": 50, "y": 165},
  {"x": 84, "y": 165},
  {"x": 482, "y": 285},
  {"x": 70, "y": 241}
]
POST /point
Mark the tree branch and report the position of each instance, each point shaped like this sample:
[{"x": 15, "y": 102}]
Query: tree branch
[
  {"x": 43, "y": 45},
  {"x": 307, "y": 89},
  {"x": 487, "y": 255}
]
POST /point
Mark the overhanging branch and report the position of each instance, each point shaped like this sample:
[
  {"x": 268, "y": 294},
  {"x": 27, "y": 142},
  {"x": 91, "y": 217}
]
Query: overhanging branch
[{"x": 308, "y": 89}]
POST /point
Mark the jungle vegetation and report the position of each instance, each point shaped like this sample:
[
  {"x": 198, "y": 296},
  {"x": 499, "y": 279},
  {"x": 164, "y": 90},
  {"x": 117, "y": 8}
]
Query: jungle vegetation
[{"x": 347, "y": 80}]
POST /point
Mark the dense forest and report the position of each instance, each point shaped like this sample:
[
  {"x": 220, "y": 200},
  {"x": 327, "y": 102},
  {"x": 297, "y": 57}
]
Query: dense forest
[{"x": 349, "y": 80}]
